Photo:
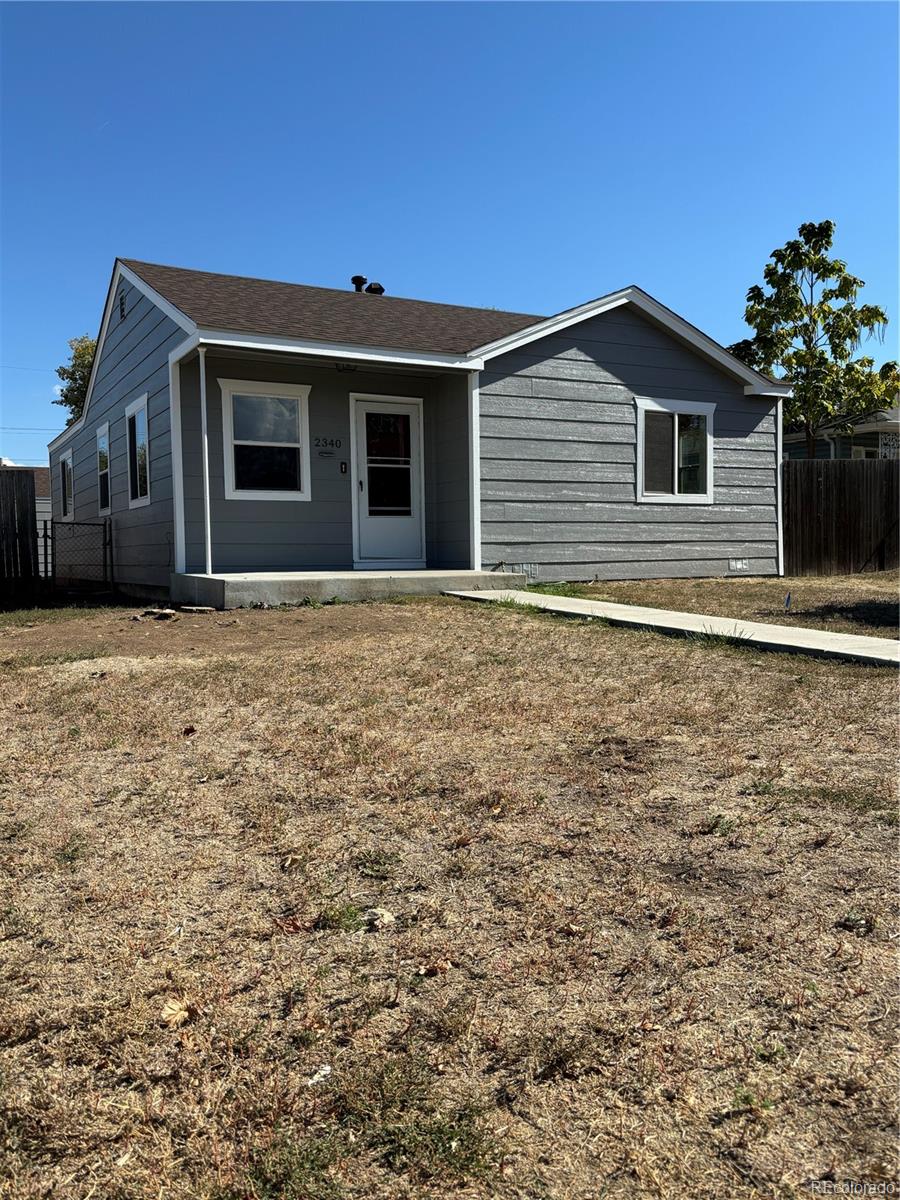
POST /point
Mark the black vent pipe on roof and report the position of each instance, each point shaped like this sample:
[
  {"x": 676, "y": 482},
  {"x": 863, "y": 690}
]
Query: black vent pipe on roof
[
  {"x": 359, "y": 282},
  {"x": 374, "y": 289}
]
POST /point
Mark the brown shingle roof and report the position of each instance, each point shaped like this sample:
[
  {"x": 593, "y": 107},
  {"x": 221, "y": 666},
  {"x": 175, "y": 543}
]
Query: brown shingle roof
[
  {"x": 41, "y": 482},
  {"x": 41, "y": 478},
  {"x": 292, "y": 310}
]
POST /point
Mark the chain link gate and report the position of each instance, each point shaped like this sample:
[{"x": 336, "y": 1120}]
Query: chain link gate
[{"x": 81, "y": 556}]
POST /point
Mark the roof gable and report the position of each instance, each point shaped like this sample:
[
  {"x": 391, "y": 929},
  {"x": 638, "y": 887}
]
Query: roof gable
[{"x": 754, "y": 382}]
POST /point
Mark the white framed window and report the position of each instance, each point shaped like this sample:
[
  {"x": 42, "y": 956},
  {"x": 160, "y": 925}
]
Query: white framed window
[
  {"x": 265, "y": 432},
  {"x": 674, "y": 451},
  {"x": 66, "y": 486},
  {"x": 137, "y": 436},
  {"x": 103, "y": 499}
]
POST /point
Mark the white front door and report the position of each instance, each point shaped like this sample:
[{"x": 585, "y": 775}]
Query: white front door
[{"x": 388, "y": 482}]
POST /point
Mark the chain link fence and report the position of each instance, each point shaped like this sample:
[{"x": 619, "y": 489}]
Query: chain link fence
[{"x": 78, "y": 556}]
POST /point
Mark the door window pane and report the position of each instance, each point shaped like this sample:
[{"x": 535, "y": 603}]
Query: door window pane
[
  {"x": 266, "y": 419},
  {"x": 104, "y": 489},
  {"x": 390, "y": 491},
  {"x": 691, "y": 454},
  {"x": 387, "y": 437},
  {"x": 267, "y": 468},
  {"x": 659, "y": 472}
]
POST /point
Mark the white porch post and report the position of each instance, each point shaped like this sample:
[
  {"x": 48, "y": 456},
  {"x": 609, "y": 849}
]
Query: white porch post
[
  {"x": 779, "y": 468},
  {"x": 207, "y": 519},
  {"x": 175, "y": 359},
  {"x": 474, "y": 472}
]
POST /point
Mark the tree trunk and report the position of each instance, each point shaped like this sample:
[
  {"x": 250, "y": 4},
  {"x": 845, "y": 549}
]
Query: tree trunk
[{"x": 810, "y": 442}]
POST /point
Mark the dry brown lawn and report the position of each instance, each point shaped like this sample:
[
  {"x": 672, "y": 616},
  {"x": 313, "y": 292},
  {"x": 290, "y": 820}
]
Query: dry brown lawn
[
  {"x": 863, "y": 604},
  {"x": 637, "y": 894}
]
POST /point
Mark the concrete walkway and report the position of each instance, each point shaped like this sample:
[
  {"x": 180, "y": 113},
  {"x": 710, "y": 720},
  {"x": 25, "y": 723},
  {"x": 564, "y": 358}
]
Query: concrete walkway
[{"x": 882, "y": 652}]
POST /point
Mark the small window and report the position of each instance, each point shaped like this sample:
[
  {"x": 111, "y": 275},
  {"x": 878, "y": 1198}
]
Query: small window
[
  {"x": 266, "y": 440},
  {"x": 122, "y": 305},
  {"x": 675, "y": 449},
  {"x": 103, "y": 469},
  {"x": 138, "y": 453},
  {"x": 66, "y": 488}
]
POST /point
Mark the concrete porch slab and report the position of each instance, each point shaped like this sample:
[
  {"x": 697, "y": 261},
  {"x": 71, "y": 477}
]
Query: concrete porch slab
[
  {"x": 881, "y": 652},
  {"x": 241, "y": 590}
]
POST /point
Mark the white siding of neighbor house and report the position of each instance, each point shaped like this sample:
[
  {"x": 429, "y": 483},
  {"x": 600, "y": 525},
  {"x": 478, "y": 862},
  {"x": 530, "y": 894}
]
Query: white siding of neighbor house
[{"x": 559, "y": 465}]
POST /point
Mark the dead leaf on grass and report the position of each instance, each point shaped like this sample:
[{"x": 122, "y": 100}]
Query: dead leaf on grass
[
  {"x": 189, "y": 731},
  {"x": 177, "y": 1011},
  {"x": 290, "y": 924},
  {"x": 439, "y": 967}
]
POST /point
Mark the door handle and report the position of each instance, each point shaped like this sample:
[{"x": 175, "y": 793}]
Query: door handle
[{"x": 360, "y": 485}]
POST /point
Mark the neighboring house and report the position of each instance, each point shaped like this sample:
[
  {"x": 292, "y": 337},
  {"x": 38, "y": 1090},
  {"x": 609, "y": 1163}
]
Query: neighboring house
[
  {"x": 243, "y": 425},
  {"x": 876, "y": 435},
  {"x": 42, "y": 506}
]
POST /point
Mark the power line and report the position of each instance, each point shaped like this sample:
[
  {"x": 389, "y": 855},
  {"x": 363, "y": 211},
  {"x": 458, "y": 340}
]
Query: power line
[
  {"x": 27, "y": 428},
  {"x": 43, "y": 370}
]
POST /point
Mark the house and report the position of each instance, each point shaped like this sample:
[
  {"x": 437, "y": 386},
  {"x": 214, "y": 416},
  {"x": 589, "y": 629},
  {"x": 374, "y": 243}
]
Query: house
[
  {"x": 875, "y": 435},
  {"x": 238, "y": 426}
]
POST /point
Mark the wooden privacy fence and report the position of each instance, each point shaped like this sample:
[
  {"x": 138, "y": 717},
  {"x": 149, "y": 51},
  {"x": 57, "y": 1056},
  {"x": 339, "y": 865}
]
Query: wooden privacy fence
[
  {"x": 19, "y": 575},
  {"x": 840, "y": 515}
]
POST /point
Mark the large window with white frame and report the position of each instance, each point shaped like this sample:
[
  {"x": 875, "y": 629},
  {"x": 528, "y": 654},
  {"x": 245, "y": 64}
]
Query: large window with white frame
[
  {"x": 674, "y": 451},
  {"x": 138, "y": 443},
  {"x": 66, "y": 486},
  {"x": 103, "y": 501},
  {"x": 265, "y": 429}
]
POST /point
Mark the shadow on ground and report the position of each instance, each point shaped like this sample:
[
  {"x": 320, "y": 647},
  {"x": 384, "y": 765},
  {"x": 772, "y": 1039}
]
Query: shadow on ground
[{"x": 877, "y": 614}]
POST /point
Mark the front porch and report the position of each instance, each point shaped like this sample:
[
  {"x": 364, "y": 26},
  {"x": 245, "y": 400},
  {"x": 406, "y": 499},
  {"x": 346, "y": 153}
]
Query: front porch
[
  {"x": 290, "y": 469},
  {"x": 243, "y": 590}
]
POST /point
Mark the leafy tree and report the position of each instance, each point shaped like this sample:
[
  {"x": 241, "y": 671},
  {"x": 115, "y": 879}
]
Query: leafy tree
[
  {"x": 807, "y": 329},
  {"x": 75, "y": 375}
]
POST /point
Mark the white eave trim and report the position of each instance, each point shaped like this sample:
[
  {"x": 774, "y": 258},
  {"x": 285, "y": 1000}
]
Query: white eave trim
[
  {"x": 375, "y": 354},
  {"x": 120, "y": 272},
  {"x": 755, "y": 384},
  {"x": 778, "y": 391}
]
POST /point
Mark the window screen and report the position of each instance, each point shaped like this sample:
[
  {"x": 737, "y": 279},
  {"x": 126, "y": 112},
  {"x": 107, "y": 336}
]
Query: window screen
[{"x": 659, "y": 452}]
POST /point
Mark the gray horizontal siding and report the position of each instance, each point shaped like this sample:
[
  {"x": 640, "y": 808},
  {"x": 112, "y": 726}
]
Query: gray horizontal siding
[
  {"x": 134, "y": 360},
  {"x": 643, "y": 569},
  {"x": 558, "y": 459}
]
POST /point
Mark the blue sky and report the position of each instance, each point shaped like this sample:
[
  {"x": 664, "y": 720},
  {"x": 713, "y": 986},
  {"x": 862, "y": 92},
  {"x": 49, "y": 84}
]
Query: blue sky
[{"x": 525, "y": 156}]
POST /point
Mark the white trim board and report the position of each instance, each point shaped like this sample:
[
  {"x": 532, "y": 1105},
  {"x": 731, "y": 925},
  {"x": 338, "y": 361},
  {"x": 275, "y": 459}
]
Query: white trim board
[
  {"x": 474, "y": 471},
  {"x": 176, "y": 358},
  {"x": 339, "y": 350}
]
